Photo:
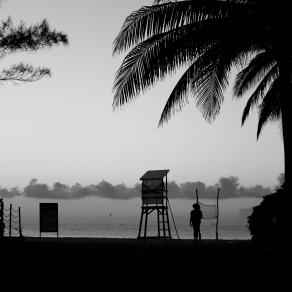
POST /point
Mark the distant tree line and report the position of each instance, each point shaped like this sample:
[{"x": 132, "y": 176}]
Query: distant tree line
[{"x": 229, "y": 188}]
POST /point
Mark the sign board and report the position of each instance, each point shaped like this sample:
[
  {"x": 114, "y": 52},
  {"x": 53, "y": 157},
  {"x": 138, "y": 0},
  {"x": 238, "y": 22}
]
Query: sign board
[{"x": 49, "y": 217}]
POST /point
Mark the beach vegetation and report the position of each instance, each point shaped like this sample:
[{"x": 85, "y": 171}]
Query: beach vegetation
[{"x": 268, "y": 223}]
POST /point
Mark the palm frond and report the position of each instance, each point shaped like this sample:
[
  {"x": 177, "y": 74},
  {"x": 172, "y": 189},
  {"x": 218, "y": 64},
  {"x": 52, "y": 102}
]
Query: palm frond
[
  {"x": 253, "y": 73},
  {"x": 160, "y": 55},
  {"x": 231, "y": 56},
  {"x": 270, "y": 108},
  {"x": 259, "y": 92},
  {"x": 200, "y": 34},
  {"x": 225, "y": 55},
  {"x": 152, "y": 20},
  {"x": 179, "y": 95},
  {"x": 206, "y": 86},
  {"x": 211, "y": 79}
]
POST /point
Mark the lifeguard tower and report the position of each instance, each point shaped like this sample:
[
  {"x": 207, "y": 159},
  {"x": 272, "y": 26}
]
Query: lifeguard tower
[{"x": 155, "y": 199}]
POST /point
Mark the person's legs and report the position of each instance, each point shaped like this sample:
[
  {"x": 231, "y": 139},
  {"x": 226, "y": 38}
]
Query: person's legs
[
  {"x": 196, "y": 233},
  {"x": 199, "y": 231}
]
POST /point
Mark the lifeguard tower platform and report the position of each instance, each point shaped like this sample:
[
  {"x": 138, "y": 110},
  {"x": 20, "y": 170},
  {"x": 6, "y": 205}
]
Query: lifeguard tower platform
[{"x": 155, "y": 200}]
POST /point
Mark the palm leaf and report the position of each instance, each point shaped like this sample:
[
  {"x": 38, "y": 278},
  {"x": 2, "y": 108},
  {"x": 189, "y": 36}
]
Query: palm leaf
[
  {"x": 206, "y": 86},
  {"x": 160, "y": 55},
  {"x": 270, "y": 108},
  {"x": 179, "y": 95},
  {"x": 157, "y": 19},
  {"x": 258, "y": 67},
  {"x": 226, "y": 56},
  {"x": 260, "y": 91}
]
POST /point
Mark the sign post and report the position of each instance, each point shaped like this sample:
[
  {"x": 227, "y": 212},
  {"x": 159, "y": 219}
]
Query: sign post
[{"x": 49, "y": 218}]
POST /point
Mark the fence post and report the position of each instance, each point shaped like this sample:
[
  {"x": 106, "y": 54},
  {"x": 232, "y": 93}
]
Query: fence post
[
  {"x": 10, "y": 218},
  {"x": 1, "y": 218},
  {"x": 217, "y": 219},
  {"x": 19, "y": 219}
]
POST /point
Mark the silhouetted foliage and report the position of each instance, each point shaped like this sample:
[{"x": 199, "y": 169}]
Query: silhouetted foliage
[
  {"x": 210, "y": 37},
  {"x": 229, "y": 185},
  {"x": 13, "y": 192},
  {"x": 170, "y": 34},
  {"x": 174, "y": 190},
  {"x": 35, "y": 190},
  {"x": 281, "y": 180},
  {"x": 188, "y": 188},
  {"x": 268, "y": 223},
  {"x": 14, "y": 39}
]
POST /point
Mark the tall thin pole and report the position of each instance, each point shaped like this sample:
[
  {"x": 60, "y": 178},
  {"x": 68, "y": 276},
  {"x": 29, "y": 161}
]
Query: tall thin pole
[
  {"x": 217, "y": 219},
  {"x": 1, "y": 218},
  {"x": 165, "y": 211},
  {"x": 197, "y": 199},
  {"x": 19, "y": 220},
  {"x": 158, "y": 223},
  {"x": 146, "y": 221},
  {"x": 10, "y": 218},
  {"x": 166, "y": 190}
]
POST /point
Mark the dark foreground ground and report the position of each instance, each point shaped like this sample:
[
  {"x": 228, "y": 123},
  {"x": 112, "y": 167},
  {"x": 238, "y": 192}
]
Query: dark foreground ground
[{"x": 82, "y": 264}]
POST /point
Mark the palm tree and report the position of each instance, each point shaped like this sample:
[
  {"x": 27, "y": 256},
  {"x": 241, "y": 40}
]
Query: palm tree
[{"x": 209, "y": 37}]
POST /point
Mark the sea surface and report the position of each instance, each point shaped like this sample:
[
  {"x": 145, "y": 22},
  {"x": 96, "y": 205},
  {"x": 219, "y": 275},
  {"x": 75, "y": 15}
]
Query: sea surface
[
  {"x": 108, "y": 218},
  {"x": 208, "y": 231}
]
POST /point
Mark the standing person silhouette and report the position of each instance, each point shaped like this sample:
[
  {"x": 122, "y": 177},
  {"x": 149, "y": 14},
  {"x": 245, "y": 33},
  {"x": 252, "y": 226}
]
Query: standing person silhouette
[{"x": 195, "y": 221}]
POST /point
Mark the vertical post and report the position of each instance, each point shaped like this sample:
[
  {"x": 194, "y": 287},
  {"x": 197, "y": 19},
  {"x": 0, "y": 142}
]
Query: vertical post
[
  {"x": 166, "y": 184},
  {"x": 1, "y": 218},
  {"x": 57, "y": 220},
  {"x": 217, "y": 219},
  {"x": 146, "y": 221},
  {"x": 40, "y": 220},
  {"x": 19, "y": 220},
  {"x": 166, "y": 191},
  {"x": 158, "y": 222},
  {"x": 197, "y": 201},
  {"x": 167, "y": 221},
  {"x": 10, "y": 218},
  {"x": 141, "y": 221},
  {"x": 165, "y": 212}
]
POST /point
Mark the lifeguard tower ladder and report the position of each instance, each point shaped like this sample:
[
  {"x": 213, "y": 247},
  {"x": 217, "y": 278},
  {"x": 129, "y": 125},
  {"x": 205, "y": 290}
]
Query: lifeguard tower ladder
[{"x": 154, "y": 198}]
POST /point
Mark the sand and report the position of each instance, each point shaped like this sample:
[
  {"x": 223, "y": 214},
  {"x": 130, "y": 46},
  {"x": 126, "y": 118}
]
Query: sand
[{"x": 90, "y": 264}]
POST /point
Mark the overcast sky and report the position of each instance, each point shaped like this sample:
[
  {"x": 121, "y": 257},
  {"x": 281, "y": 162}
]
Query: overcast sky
[{"x": 63, "y": 128}]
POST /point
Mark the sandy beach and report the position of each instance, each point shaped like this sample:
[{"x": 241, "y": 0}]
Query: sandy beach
[{"x": 85, "y": 264}]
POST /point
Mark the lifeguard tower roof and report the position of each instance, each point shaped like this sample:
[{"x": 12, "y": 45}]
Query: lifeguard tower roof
[{"x": 155, "y": 174}]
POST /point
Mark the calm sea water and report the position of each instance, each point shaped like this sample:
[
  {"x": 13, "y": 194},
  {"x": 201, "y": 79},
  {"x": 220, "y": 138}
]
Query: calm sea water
[
  {"x": 98, "y": 217},
  {"x": 131, "y": 231}
]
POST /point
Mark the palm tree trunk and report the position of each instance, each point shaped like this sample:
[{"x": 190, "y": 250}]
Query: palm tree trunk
[
  {"x": 285, "y": 77},
  {"x": 286, "y": 142}
]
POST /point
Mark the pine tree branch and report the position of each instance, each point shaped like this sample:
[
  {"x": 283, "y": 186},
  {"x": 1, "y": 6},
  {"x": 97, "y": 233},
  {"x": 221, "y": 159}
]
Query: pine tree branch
[{"x": 24, "y": 73}]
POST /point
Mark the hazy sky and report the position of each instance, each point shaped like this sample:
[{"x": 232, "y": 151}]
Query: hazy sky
[{"x": 63, "y": 128}]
